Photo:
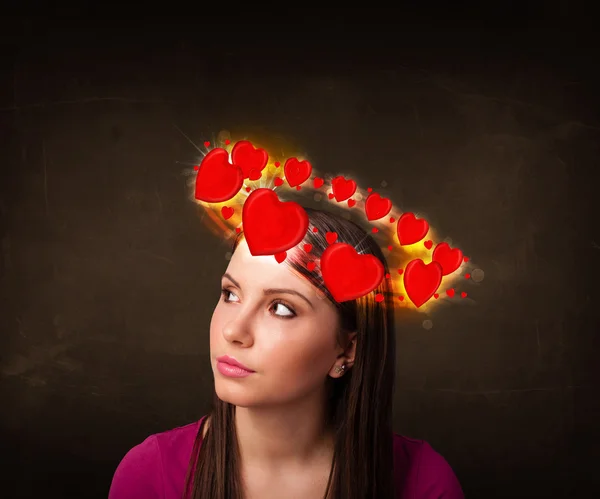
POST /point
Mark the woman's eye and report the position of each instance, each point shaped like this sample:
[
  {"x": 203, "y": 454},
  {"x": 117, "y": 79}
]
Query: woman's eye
[
  {"x": 288, "y": 312},
  {"x": 227, "y": 295}
]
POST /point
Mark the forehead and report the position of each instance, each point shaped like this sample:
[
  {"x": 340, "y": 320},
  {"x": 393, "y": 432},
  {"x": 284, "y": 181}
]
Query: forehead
[{"x": 264, "y": 271}]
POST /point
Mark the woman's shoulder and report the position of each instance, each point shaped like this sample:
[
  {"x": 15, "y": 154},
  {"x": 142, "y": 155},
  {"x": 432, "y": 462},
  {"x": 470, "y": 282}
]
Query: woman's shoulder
[
  {"x": 156, "y": 467},
  {"x": 421, "y": 471}
]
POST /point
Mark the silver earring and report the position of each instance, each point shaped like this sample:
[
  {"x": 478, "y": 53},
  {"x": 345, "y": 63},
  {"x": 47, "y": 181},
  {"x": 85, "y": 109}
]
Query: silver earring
[{"x": 340, "y": 369}]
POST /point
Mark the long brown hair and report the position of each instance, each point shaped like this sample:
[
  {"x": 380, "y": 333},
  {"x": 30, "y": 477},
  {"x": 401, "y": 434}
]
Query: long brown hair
[{"x": 360, "y": 402}]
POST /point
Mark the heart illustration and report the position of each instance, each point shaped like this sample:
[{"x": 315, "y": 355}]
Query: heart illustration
[
  {"x": 351, "y": 202},
  {"x": 349, "y": 275},
  {"x": 254, "y": 174},
  {"x": 227, "y": 212},
  {"x": 450, "y": 292},
  {"x": 248, "y": 158},
  {"x": 217, "y": 179},
  {"x": 331, "y": 237},
  {"x": 278, "y": 181},
  {"x": 308, "y": 247},
  {"x": 377, "y": 207},
  {"x": 296, "y": 172},
  {"x": 411, "y": 229},
  {"x": 281, "y": 256},
  {"x": 330, "y": 195},
  {"x": 272, "y": 226},
  {"x": 311, "y": 266},
  {"x": 421, "y": 281},
  {"x": 318, "y": 182},
  {"x": 449, "y": 258},
  {"x": 428, "y": 244},
  {"x": 342, "y": 188}
]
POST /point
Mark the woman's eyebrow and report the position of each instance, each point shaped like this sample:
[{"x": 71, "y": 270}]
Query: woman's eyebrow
[{"x": 272, "y": 291}]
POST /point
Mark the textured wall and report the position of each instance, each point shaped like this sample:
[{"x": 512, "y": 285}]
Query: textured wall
[{"x": 108, "y": 277}]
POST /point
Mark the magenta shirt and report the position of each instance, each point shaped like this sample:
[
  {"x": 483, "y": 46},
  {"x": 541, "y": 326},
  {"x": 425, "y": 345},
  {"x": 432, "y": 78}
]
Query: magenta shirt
[{"x": 156, "y": 468}]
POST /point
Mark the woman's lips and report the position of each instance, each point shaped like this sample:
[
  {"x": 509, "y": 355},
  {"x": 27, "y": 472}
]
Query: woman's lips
[{"x": 231, "y": 368}]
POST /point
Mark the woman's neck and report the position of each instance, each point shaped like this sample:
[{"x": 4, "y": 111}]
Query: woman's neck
[{"x": 277, "y": 436}]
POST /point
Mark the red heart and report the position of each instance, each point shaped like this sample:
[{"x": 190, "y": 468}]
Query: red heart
[
  {"x": 428, "y": 244},
  {"x": 449, "y": 258},
  {"x": 351, "y": 203},
  {"x": 330, "y": 195},
  {"x": 218, "y": 180},
  {"x": 318, "y": 182},
  {"x": 272, "y": 226},
  {"x": 227, "y": 212},
  {"x": 331, "y": 237},
  {"x": 254, "y": 174},
  {"x": 464, "y": 294},
  {"x": 296, "y": 172},
  {"x": 377, "y": 207},
  {"x": 378, "y": 297},
  {"x": 278, "y": 181},
  {"x": 436, "y": 295},
  {"x": 311, "y": 266},
  {"x": 342, "y": 188},
  {"x": 450, "y": 292},
  {"x": 280, "y": 257},
  {"x": 347, "y": 274},
  {"x": 411, "y": 229},
  {"x": 207, "y": 144},
  {"x": 248, "y": 158},
  {"x": 307, "y": 247},
  {"x": 422, "y": 281}
]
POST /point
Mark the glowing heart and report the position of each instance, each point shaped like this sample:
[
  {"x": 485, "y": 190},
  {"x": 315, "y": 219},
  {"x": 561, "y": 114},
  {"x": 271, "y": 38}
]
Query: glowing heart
[
  {"x": 421, "y": 281},
  {"x": 331, "y": 237},
  {"x": 318, "y": 182},
  {"x": 227, "y": 212},
  {"x": 270, "y": 225},
  {"x": 449, "y": 258},
  {"x": 349, "y": 275},
  {"x": 296, "y": 172},
  {"x": 411, "y": 229},
  {"x": 377, "y": 207},
  {"x": 428, "y": 244},
  {"x": 248, "y": 158},
  {"x": 342, "y": 188},
  {"x": 217, "y": 179}
]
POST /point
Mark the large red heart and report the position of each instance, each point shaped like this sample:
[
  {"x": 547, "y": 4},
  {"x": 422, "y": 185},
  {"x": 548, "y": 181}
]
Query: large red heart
[
  {"x": 449, "y": 258},
  {"x": 377, "y": 207},
  {"x": 218, "y": 180},
  {"x": 422, "y": 281},
  {"x": 342, "y": 188},
  {"x": 347, "y": 274},
  {"x": 270, "y": 225},
  {"x": 249, "y": 158},
  {"x": 411, "y": 229},
  {"x": 296, "y": 172}
]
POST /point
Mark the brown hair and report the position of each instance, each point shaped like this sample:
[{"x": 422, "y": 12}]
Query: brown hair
[{"x": 360, "y": 402}]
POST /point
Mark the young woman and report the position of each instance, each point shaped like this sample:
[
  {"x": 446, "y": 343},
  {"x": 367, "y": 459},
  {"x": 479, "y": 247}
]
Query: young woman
[{"x": 303, "y": 394}]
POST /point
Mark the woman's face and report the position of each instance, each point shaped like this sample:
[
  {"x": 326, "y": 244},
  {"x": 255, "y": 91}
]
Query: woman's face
[{"x": 273, "y": 322}]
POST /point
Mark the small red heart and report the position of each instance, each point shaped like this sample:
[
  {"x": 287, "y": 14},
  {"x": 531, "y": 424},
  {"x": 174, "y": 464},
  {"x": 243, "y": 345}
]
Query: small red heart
[
  {"x": 342, "y": 188},
  {"x": 248, "y": 158},
  {"x": 388, "y": 275},
  {"x": 378, "y": 297},
  {"x": 217, "y": 179},
  {"x": 390, "y": 247},
  {"x": 248, "y": 189},
  {"x": 449, "y": 258},
  {"x": 278, "y": 181},
  {"x": 318, "y": 182},
  {"x": 374, "y": 230},
  {"x": 206, "y": 144},
  {"x": 272, "y": 226},
  {"x": 436, "y": 295},
  {"x": 307, "y": 247},
  {"x": 400, "y": 271},
  {"x": 467, "y": 276},
  {"x": 347, "y": 274},
  {"x": 401, "y": 298},
  {"x": 392, "y": 220},
  {"x": 428, "y": 244},
  {"x": 227, "y": 212},
  {"x": 351, "y": 203},
  {"x": 464, "y": 294},
  {"x": 280, "y": 257},
  {"x": 298, "y": 187},
  {"x": 466, "y": 259},
  {"x": 450, "y": 292},
  {"x": 277, "y": 164},
  {"x": 330, "y": 195},
  {"x": 196, "y": 168},
  {"x": 238, "y": 230},
  {"x": 369, "y": 189},
  {"x": 227, "y": 142},
  {"x": 377, "y": 207},
  {"x": 254, "y": 174},
  {"x": 315, "y": 230},
  {"x": 331, "y": 237},
  {"x": 411, "y": 229},
  {"x": 421, "y": 281},
  {"x": 311, "y": 266},
  {"x": 296, "y": 172}
]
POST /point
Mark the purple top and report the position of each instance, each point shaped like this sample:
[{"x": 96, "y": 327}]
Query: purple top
[{"x": 156, "y": 468}]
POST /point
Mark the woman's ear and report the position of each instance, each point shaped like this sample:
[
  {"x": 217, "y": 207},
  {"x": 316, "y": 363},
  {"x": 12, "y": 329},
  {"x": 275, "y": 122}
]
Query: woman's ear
[{"x": 345, "y": 360}]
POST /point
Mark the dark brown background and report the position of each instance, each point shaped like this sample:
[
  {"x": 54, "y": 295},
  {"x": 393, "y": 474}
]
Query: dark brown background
[{"x": 108, "y": 278}]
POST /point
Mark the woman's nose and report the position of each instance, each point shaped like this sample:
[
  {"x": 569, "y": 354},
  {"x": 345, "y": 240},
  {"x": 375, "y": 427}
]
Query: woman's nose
[{"x": 238, "y": 330}]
